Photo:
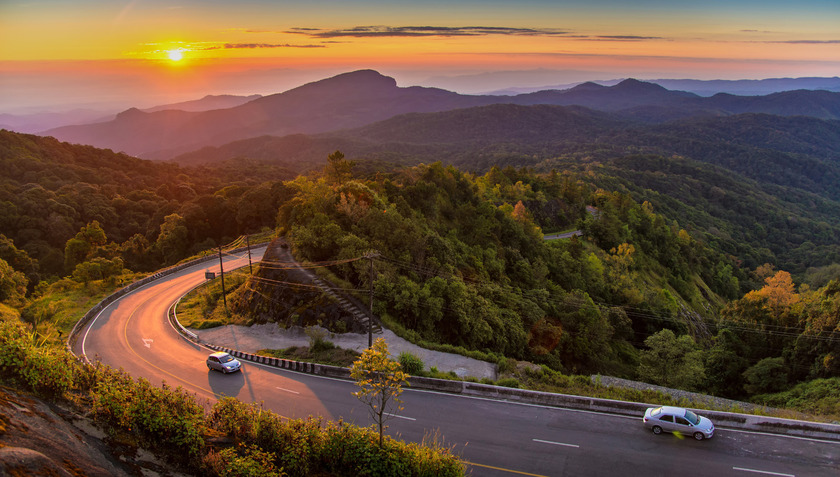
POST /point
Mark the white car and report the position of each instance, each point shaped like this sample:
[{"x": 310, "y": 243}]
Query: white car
[
  {"x": 678, "y": 421},
  {"x": 224, "y": 362}
]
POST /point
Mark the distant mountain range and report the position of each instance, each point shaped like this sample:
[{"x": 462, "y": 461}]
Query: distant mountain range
[
  {"x": 711, "y": 87},
  {"x": 356, "y": 99},
  {"x": 42, "y": 121}
]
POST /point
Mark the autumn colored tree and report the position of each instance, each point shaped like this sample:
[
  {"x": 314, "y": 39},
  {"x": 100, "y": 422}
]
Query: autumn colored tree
[{"x": 380, "y": 380}]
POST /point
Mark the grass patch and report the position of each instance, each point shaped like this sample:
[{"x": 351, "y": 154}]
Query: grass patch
[{"x": 204, "y": 308}]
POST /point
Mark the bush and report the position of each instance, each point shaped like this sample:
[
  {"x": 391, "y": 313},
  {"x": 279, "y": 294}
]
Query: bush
[
  {"x": 508, "y": 382},
  {"x": 242, "y": 461},
  {"x": 411, "y": 364},
  {"x": 46, "y": 371},
  {"x": 160, "y": 418}
]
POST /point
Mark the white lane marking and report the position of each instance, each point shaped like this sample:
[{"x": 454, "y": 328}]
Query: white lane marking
[
  {"x": 812, "y": 439},
  {"x": 288, "y": 390},
  {"x": 556, "y": 443},
  {"x": 147, "y": 342},
  {"x": 401, "y": 417},
  {"x": 762, "y": 472}
]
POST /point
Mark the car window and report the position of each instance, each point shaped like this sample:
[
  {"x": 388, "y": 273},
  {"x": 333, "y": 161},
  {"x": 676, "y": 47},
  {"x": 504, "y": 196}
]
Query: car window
[
  {"x": 226, "y": 358},
  {"x": 692, "y": 418},
  {"x": 667, "y": 418},
  {"x": 213, "y": 359},
  {"x": 680, "y": 420},
  {"x": 656, "y": 411}
]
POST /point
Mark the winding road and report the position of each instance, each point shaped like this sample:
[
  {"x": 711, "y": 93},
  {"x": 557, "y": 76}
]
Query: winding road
[{"x": 496, "y": 438}]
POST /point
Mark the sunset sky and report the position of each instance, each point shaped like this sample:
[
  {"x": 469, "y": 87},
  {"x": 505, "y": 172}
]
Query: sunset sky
[{"x": 146, "y": 52}]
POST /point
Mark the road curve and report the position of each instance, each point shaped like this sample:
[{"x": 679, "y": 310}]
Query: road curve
[{"x": 497, "y": 438}]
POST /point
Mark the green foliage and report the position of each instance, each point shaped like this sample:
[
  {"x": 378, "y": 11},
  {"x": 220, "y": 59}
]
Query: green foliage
[
  {"x": 160, "y": 418},
  {"x": 671, "y": 361},
  {"x": 411, "y": 364},
  {"x": 12, "y": 285},
  {"x": 817, "y": 397},
  {"x": 310, "y": 447},
  {"x": 242, "y": 461},
  {"x": 508, "y": 382},
  {"x": 51, "y": 191},
  {"x": 462, "y": 266},
  {"x": 767, "y": 376},
  {"x": 42, "y": 369}
]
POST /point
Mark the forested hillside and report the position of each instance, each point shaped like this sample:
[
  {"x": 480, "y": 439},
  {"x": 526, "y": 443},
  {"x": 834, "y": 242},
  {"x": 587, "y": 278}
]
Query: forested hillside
[
  {"x": 62, "y": 205},
  {"x": 670, "y": 267},
  {"x": 463, "y": 262},
  {"x": 762, "y": 188}
]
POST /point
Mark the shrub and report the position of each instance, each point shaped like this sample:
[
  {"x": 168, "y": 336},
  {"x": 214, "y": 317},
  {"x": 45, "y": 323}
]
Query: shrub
[
  {"x": 411, "y": 364},
  {"x": 161, "y": 418},
  {"x": 508, "y": 382},
  {"x": 242, "y": 461},
  {"x": 46, "y": 371}
]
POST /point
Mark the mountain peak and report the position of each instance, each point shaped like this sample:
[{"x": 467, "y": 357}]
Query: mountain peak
[
  {"x": 364, "y": 79},
  {"x": 588, "y": 86},
  {"x": 631, "y": 84}
]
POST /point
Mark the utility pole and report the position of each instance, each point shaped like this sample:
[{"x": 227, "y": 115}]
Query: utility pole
[
  {"x": 222, "y": 272},
  {"x": 248, "y": 242},
  {"x": 370, "y": 256}
]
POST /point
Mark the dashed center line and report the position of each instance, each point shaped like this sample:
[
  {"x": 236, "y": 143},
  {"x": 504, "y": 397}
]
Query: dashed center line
[
  {"x": 401, "y": 417},
  {"x": 742, "y": 469},
  {"x": 556, "y": 443},
  {"x": 288, "y": 390}
]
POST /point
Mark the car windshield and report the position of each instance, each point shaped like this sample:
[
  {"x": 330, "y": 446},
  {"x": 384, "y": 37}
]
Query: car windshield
[
  {"x": 226, "y": 358},
  {"x": 692, "y": 418},
  {"x": 656, "y": 411}
]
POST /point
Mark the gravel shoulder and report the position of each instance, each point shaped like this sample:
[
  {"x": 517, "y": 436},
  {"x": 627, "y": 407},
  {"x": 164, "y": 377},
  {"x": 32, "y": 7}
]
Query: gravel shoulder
[{"x": 249, "y": 339}]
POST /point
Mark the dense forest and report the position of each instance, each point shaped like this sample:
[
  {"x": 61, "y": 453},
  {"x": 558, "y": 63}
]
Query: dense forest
[
  {"x": 462, "y": 261},
  {"x": 62, "y": 205},
  {"x": 670, "y": 267}
]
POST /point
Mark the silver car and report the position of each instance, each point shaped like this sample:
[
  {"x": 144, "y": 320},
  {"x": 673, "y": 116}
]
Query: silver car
[
  {"x": 224, "y": 362},
  {"x": 679, "y": 421}
]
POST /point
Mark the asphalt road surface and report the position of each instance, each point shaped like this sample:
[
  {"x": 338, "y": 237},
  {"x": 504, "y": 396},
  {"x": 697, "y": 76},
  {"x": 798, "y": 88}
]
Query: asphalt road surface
[{"x": 496, "y": 438}]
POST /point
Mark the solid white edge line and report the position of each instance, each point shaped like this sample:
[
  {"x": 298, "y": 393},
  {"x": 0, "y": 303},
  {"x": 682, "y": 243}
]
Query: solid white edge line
[
  {"x": 812, "y": 439},
  {"x": 287, "y": 390},
  {"x": 743, "y": 469},
  {"x": 556, "y": 443}
]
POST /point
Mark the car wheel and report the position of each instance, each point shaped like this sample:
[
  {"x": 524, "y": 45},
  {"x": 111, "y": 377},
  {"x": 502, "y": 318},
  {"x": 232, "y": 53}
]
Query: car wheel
[
  {"x": 699, "y": 436},
  {"x": 209, "y": 367},
  {"x": 657, "y": 430}
]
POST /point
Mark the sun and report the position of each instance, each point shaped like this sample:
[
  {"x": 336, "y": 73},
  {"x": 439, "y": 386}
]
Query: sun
[{"x": 175, "y": 55}]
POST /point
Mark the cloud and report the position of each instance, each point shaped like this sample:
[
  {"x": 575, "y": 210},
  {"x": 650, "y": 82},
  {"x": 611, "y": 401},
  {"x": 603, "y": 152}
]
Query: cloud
[
  {"x": 624, "y": 38},
  {"x": 246, "y": 46},
  {"x": 807, "y": 42},
  {"x": 422, "y": 31}
]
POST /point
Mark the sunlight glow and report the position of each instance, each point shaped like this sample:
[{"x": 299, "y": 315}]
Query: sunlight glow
[{"x": 175, "y": 55}]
